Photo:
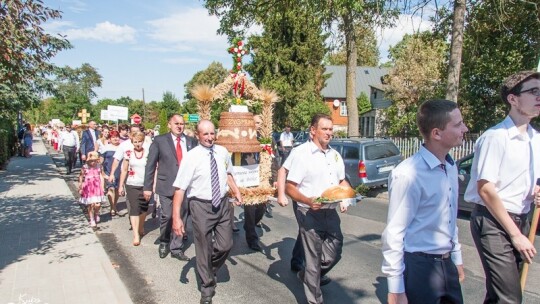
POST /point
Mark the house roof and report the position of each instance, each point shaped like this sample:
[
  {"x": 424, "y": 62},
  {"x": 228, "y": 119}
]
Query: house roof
[{"x": 365, "y": 77}]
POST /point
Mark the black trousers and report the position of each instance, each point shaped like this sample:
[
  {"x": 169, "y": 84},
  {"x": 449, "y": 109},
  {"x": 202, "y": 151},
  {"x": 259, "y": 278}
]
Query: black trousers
[
  {"x": 501, "y": 261},
  {"x": 166, "y": 235},
  {"x": 253, "y": 214},
  {"x": 212, "y": 230},
  {"x": 431, "y": 280},
  {"x": 323, "y": 241},
  {"x": 69, "y": 157},
  {"x": 297, "y": 260}
]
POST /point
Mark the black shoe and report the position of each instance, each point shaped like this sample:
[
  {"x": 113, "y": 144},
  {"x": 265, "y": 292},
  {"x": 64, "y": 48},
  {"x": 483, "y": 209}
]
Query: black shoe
[
  {"x": 234, "y": 228},
  {"x": 255, "y": 247},
  {"x": 325, "y": 280},
  {"x": 163, "y": 250},
  {"x": 180, "y": 256},
  {"x": 296, "y": 268}
]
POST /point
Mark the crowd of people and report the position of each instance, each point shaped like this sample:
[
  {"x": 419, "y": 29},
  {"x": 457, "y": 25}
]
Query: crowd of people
[{"x": 192, "y": 177}]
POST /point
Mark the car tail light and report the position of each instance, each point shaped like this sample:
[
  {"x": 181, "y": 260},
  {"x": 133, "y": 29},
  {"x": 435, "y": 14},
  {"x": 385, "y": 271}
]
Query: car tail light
[{"x": 362, "y": 170}]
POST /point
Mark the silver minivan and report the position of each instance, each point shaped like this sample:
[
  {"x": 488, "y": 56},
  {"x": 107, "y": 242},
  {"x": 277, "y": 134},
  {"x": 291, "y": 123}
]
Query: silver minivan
[{"x": 368, "y": 161}]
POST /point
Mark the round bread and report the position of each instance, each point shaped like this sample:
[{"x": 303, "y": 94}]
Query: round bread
[{"x": 338, "y": 192}]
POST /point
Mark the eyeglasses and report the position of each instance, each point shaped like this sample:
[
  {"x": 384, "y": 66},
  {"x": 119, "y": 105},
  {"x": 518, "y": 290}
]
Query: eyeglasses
[{"x": 533, "y": 91}]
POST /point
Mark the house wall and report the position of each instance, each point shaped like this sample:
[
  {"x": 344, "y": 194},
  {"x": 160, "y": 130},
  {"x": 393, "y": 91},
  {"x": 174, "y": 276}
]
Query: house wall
[{"x": 339, "y": 121}]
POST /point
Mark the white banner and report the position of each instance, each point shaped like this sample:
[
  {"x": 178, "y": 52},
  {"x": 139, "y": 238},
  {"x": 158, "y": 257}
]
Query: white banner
[
  {"x": 76, "y": 122},
  {"x": 117, "y": 113},
  {"x": 246, "y": 176},
  {"x": 104, "y": 115}
]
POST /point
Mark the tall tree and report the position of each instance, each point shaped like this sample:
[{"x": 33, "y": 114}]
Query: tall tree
[
  {"x": 287, "y": 59},
  {"x": 213, "y": 75},
  {"x": 367, "y": 49},
  {"x": 498, "y": 42},
  {"x": 456, "y": 49},
  {"x": 417, "y": 75},
  {"x": 74, "y": 90},
  {"x": 25, "y": 51},
  {"x": 170, "y": 104}
]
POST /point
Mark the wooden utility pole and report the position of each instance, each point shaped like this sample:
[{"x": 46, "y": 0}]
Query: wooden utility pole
[{"x": 143, "y": 105}]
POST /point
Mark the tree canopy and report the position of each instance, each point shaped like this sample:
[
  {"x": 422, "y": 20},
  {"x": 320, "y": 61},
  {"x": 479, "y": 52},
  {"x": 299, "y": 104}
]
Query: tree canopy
[{"x": 25, "y": 51}]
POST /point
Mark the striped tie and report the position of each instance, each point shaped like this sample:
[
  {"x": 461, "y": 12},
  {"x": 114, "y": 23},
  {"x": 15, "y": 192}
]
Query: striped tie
[{"x": 215, "y": 181}]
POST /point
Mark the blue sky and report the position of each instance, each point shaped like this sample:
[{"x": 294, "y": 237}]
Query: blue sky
[{"x": 154, "y": 45}]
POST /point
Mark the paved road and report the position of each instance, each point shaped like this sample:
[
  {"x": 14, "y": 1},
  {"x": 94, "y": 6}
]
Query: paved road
[{"x": 250, "y": 277}]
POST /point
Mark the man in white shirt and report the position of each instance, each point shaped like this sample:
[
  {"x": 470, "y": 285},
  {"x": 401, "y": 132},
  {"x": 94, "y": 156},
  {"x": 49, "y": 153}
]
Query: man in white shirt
[
  {"x": 317, "y": 167},
  {"x": 204, "y": 178},
  {"x": 286, "y": 140},
  {"x": 505, "y": 167},
  {"x": 422, "y": 254},
  {"x": 69, "y": 143}
]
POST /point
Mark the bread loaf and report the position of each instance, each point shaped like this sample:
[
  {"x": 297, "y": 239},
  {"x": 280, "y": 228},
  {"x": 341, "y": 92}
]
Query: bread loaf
[{"x": 338, "y": 192}]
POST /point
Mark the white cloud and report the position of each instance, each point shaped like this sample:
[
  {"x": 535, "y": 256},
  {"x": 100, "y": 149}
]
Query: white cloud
[
  {"x": 193, "y": 26},
  {"x": 406, "y": 24},
  {"x": 105, "y": 32}
]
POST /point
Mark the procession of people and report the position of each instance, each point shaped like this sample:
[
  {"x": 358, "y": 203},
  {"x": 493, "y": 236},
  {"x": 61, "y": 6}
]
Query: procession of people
[{"x": 193, "y": 181}]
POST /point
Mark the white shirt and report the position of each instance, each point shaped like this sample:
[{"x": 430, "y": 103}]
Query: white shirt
[
  {"x": 421, "y": 215},
  {"x": 136, "y": 169},
  {"x": 286, "y": 139},
  {"x": 194, "y": 173},
  {"x": 503, "y": 156},
  {"x": 314, "y": 170},
  {"x": 125, "y": 147},
  {"x": 70, "y": 139},
  {"x": 182, "y": 143}
]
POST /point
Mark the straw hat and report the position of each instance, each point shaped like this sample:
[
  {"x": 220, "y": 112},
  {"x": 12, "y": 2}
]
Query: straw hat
[{"x": 92, "y": 156}]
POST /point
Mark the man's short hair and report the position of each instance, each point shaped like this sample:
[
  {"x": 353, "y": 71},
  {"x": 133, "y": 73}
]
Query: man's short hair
[
  {"x": 434, "y": 114},
  {"x": 317, "y": 117},
  {"x": 173, "y": 115},
  {"x": 514, "y": 83},
  {"x": 123, "y": 127},
  {"x": 141, "y": 127}
]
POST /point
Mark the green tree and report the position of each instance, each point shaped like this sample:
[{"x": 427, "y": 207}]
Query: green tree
[
  {"x": 304, "y": 111},
  {"x": 364, "y": 105},
  {"x": 170, "y": 104},
  {"x": 417, "y": 75},
  {"x": 498, "y": 42},
  {"x": 163, "y": 122},
  {"x": 74, "y": 88},
  {"x": 287, "y": 59},
  {"x": 213, "y": 75},
  {"x": 25, "y": 52},
  {"x": 367, "y": 49}
]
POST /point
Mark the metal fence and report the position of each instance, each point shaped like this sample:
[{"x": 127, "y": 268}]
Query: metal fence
[{"x": 409, "y": 146}]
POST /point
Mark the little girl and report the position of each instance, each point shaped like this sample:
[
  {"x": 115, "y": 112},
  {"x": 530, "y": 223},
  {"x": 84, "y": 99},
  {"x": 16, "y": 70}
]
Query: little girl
[{"x": 91, "y": 187}]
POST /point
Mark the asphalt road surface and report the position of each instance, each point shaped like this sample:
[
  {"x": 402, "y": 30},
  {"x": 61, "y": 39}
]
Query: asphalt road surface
[{"x": 254, "y": 277}]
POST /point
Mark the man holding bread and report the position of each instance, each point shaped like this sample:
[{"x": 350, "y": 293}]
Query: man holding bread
[
  {"x": 422, "y": 254},
  {"x": 319, "y": 168}
]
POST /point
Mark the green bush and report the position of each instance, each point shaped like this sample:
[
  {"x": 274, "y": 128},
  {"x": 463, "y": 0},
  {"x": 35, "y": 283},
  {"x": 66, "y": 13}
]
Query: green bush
[{"x": 8, "y": 140}]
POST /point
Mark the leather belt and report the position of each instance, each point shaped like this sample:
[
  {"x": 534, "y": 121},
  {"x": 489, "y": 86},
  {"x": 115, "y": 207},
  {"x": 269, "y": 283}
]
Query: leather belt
[
  {"x": 443, "y": 256},
  {"x": 203, "y": 200},
  {"x": 484, "y": 210}
]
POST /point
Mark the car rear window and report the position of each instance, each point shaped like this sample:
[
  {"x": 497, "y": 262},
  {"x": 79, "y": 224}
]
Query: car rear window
[
  {"x": 382, "y": 150},
  {"x": 350, "y": 152}
]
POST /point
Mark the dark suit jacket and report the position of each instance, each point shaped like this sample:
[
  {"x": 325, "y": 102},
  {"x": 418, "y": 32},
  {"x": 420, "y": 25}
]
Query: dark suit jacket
[
  {"x": 87, "y": 144},
  {"x": 163, "y": 152}
]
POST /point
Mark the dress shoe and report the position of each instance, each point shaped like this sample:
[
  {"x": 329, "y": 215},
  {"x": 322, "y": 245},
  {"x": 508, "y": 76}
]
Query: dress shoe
[
  {"x": 180, "y": 256},
  {"x": 325, "y": 280},
  {"x": 255, "y": 247},
  {"x": 235, "y": 228},
  {"x": 163, "y": 250}
]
